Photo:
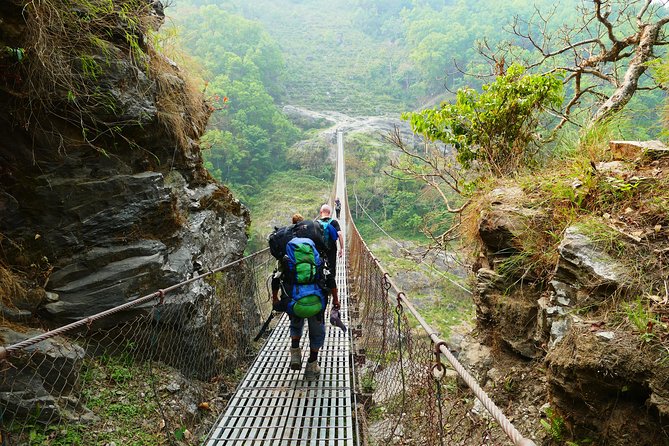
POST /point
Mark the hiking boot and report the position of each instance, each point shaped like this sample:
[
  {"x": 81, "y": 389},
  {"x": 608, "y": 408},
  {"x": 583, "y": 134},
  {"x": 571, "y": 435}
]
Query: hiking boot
[
  {"x": 313, "y": 371},
  {"x": 295, "y": 358}
]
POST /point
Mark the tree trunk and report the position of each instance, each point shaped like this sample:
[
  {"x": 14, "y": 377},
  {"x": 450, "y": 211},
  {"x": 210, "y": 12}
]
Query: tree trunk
[{"x": 642, "y": 55}]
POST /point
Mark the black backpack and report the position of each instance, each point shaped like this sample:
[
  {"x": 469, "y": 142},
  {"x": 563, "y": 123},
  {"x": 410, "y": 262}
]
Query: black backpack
[
  {"x": 313, "y": 231},
  {"x": 278, "y": 239},
  {"x": 328, "y": 242}
]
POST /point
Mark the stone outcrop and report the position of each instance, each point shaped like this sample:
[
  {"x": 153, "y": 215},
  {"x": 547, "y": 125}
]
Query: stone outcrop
[
  {"x": 105, "y": 201},
  {"x": 506, "y": 320},
  {"x": 504, "y": 221},
  {"x": 582, "y": 262},
  {"x": 598, "y": 376}
]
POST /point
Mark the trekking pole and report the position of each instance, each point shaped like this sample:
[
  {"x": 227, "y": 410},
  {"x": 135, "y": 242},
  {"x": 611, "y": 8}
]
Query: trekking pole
[
  {"x": 264, "y": 327},
  {"x": 271, "y": 313}
]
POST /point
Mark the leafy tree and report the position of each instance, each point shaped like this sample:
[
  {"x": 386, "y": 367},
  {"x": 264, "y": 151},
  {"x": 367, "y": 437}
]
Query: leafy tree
[
  {"x": 494, "y": 127},
  {"x": 248, "y": 136}
]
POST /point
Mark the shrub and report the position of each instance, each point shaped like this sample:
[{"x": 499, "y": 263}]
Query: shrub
[{"x": 496, "y": 126}]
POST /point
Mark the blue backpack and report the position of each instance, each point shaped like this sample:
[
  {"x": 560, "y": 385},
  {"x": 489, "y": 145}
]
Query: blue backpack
[
  {"x": 305, "y": 272},
  {"x": 328, "y": 231}
]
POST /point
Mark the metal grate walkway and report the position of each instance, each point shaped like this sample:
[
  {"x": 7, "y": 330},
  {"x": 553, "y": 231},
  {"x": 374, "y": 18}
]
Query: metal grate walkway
[{"x": 275, "y": 405}]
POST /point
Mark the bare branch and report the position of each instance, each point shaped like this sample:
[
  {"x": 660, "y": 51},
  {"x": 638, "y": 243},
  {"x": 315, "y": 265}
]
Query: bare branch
[
  {"x": 611, "y": 45},
  {"x": 432, "y": 170},
  {"x": 641, "y": 13},
  {"x": 604, "y": 19}
]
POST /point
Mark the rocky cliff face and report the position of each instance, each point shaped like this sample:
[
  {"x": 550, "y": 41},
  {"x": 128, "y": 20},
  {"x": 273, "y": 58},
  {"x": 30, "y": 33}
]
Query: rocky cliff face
[
  {"x": 604, "y": 379},
  {"x": 103, "y": 195}
]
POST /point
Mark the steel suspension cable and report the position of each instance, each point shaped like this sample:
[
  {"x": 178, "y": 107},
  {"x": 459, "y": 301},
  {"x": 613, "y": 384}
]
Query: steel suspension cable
[
  {"x": 9, "y": 350},
  {"x": 490, "y": 406}
]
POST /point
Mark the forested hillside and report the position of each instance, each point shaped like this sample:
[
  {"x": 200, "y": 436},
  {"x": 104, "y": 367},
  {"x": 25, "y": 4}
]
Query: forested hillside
[
  {"x": 360, "y": 57},
  {"x": 380, "y": 57},
  {"x": 504, "y": 143}
]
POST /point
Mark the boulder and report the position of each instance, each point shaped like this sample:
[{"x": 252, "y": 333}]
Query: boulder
[
  {"x": 586, "y": 265},
  {"x": 27, "y": 398},
  {"x": 629, "y": 150},
  {"x": 505, "y": 220},
  {"x": 56, "y": 361},
  {"x": 39, "y": 377}
]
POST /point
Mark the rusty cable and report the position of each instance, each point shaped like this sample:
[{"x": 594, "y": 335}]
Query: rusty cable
[
  {"x": 508, "y": 428},
  {"x": 9, "y": 350}
]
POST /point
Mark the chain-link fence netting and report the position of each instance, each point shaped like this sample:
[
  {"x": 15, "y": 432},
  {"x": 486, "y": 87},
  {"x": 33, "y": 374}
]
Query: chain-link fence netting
[
  {"x": 154, "y": 373},
  {"x": 406, "y": 394}
]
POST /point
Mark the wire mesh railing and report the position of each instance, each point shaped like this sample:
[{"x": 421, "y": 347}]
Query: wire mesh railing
[
  {"x": 154, "y": 371},
  {"x": 407, "y": 396}
]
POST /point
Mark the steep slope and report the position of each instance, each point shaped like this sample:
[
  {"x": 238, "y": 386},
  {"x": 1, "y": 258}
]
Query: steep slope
[
  {"x": 103, "y": 196},
  {"x": 572, "y": 299}
]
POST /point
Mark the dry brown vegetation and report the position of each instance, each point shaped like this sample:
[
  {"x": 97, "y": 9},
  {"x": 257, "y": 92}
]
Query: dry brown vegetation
[
  {"x": 69, "y": 55},
  {"x": 181, "y": 108},
  {"x": 11, "y": 288}
]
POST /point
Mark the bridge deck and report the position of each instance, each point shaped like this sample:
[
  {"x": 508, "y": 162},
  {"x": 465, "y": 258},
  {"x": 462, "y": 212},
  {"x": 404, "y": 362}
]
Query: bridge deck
[{"x": 275, "y": 405}]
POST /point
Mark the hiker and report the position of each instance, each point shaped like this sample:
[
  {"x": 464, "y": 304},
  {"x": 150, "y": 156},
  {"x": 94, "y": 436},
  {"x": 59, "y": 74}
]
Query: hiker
[
  {"x": 331, "y": 233},
  {"x": 338, "y": 207},
  {"x": 303, "y": 296},
  {"x": 297, "y": 218}
]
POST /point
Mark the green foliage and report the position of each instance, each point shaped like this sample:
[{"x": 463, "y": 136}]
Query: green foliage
[
  {"x": 440, "y": 36},
  {"x": 90, "y": 67},
  {"x": 368, "y": 382},
  {"x": 180, "y": 433},
  {"x": 554, "y": 425},
  {"x": 56, "y": 436},
  {"x": 648, "y": 324},
  {"x": 17, "y": 53},
  {"x": 495, "y": 126},
  {"x": 248, "y": 136}
]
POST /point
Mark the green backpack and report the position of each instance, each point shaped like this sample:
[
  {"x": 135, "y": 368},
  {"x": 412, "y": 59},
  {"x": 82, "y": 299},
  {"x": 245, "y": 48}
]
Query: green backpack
[{"x": 305, "y": 271}]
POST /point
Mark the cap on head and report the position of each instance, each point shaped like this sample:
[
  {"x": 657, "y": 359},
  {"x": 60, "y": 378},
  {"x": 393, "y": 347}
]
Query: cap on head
[{"x": 326, "y": 209}]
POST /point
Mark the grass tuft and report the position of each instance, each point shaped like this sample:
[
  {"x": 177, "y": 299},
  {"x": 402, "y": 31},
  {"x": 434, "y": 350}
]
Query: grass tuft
[{"x": 11, "y": 288}]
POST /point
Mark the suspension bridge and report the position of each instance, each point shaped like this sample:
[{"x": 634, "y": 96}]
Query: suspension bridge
[{"x": 382, "y": 381}]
